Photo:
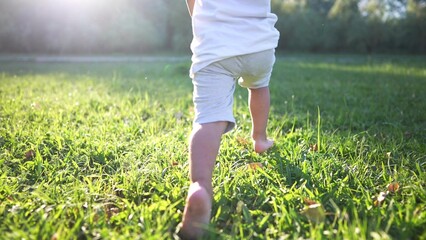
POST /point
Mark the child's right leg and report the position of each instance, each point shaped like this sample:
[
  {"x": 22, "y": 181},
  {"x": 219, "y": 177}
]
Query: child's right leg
[
  {"x": 259, "y": 103},
  {"x": 256, "y": 75}
]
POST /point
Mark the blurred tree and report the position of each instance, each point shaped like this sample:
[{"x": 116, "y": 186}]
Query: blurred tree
[
  {"x": 344, "y": 19},
  {"x": 322, "y": 7},
  {"x": 144, "y": 26},
  {"x": 178, "y": 26},
  {"x": 414, "y": 26},
  {"x": 344, "y": 9}
]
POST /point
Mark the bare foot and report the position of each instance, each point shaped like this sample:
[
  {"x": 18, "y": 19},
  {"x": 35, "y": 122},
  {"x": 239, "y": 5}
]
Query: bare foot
[
  {"x": 196, "y": 214},
  {"x": 261, "y": 146}
]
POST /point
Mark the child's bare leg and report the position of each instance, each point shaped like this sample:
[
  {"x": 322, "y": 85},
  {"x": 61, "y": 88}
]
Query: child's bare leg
[
  {"x": 259, "y": 103},
  {"x": 203, "y": 149}
]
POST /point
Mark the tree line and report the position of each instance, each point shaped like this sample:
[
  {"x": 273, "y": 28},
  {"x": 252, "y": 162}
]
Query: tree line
[{"x": 142, "y": 26}]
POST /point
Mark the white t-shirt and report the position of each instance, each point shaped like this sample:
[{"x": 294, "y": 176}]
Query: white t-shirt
[{"x": 227, "y": 28}]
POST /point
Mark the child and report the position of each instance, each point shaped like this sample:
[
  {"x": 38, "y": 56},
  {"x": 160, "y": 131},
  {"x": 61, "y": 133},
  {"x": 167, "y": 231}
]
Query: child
[{"x": 233, "y": 40}]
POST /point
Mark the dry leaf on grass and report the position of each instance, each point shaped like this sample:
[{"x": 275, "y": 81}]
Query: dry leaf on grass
[
  {"x": 380, "y": 199},
  {"x": 30, "y": 154},
  {"x": 254, "y": 166},
  {"x": 35, "y": 105},
  {"x": 243, "y": 141},
  {"x": 314, "y": 213},
  {"x": 55, "y": 236},
  {"x": 393, "y": 187},
  {"x": 309, "y": 201},
  {"x": 111, "y": 211}
]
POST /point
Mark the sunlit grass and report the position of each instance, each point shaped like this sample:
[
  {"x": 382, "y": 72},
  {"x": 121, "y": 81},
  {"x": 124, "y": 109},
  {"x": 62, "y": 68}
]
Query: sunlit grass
[{"x": 95, "y": 151}]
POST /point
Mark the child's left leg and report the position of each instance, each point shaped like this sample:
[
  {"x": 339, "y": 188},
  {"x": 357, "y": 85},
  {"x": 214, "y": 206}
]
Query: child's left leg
[
  {"x": 213, "y": 95},
  {"x": 203, "y": 149}
]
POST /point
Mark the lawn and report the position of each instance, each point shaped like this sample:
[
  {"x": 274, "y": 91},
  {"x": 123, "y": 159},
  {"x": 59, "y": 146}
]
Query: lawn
[{"x": 99, "y": 151}]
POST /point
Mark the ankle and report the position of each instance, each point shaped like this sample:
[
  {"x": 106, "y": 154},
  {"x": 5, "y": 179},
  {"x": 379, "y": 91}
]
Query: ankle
[
  {"x": 259, "y": 137},
  {"x": 201, "y": 185},
  {"x": 261, "y": 146}
]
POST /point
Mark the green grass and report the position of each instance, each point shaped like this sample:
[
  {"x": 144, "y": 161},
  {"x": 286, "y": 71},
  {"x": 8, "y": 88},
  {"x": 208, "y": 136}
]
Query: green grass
[{"x": 99, "y": 151}]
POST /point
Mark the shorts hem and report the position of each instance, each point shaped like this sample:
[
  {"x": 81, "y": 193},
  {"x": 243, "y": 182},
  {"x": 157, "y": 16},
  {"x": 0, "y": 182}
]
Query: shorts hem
[{"x": 231, "y": 123}]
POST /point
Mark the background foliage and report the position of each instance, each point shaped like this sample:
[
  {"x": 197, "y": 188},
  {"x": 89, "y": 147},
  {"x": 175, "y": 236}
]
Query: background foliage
[{"x": 142, "y": 26}]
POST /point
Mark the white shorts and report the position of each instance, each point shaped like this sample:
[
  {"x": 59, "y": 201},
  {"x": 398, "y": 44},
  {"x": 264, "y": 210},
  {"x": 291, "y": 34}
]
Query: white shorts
[{"x": 214, "y": 85}]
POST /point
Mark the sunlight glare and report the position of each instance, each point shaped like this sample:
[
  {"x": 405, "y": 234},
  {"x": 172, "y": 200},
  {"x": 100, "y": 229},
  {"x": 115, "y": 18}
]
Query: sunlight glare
[{"x": 79, "y": 5}]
